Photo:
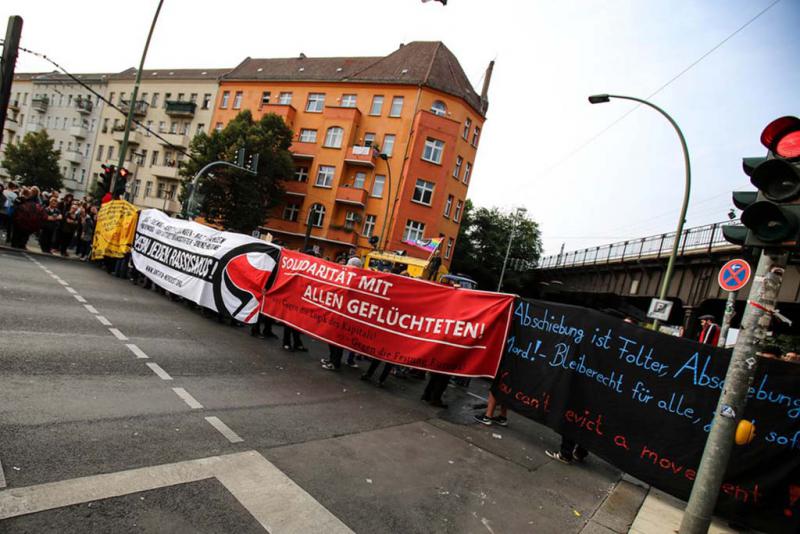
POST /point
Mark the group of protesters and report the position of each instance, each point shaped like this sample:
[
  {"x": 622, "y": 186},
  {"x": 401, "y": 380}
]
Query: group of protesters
[{"x": 59, "y": 222}]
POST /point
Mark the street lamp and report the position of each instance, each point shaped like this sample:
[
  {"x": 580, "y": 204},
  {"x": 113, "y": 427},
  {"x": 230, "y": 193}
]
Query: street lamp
[
  {"x": 603, "y": 98},
  {"x": 517, "y": 219},
  {"x": 384, "y": 157}
]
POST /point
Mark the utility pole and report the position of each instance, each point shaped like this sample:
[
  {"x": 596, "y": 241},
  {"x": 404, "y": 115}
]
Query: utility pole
[
  {"x": 741, "y": 370},
  {"x": 730, "y": 303},
  {"x": 7, "y": 65},
  {"x": 123, "y": 151},
  {"x": 517, "y": 220}
]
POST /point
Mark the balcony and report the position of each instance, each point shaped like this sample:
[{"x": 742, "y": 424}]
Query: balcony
[
  {"x": 13, "y": 105},
  {"x": 12, "y": 126},
  {"x": 84, "y": 106},
  {"x": 80, "y": 132},
  {"x": 165, "y": 171},
  {"x": 303, "y": 150},
  {"x": 295, "y": 188},
  {"x": 342, "y": 234},
  {"x": 76, "y": 158},
  {"x": 35, "y": 127},
  {"x": 351, "y": 196},
  {"x": 139, "y": 108},
  {"x": 285, "y": 111},
  {"x": 163, "y": 204},
  {"x": 134, "y": 138},
  {"x": 179, "y": 108},
  {"x": 174, "y": 139},
  {"x": 40, "y": 104},
  {"x": 363, "y": 156},
  {"x": 340, "y": 114}
]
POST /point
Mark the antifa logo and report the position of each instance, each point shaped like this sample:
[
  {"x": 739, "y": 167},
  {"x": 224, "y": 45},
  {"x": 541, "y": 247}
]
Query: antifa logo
[{"x": 240, "y": 279}]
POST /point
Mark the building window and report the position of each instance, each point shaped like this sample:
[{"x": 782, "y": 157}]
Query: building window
[
  {"x": 388, "y": 144},
  {"x": 475, "y": 136},
  {"x": 218, "y": 127},
  {"x": 325, "y": 176},
  {"x": 423, "y": 192},
  {"x": 193, "y": 98},
  {"x": 237, "y": 100},
  {"x": 457, "y": 214},
  {"x": 359, "y": 180},
  {"x": 467, "y": 172},
  {"x": 333, "y": 137},
  {"x": 100, "y": 153},
  {"x": 439, "y": 108},
  {"x": 206, "y": 100},
  {"x": 317, "y": 215},
  {"x": 348, "y": 101},
  {"x": 449, "y": 248},
  {"x": 308, "y": 136},
  {"x": 369, "y": 139},
  {"x": 350, "y": 220},
  {"x": 448, "y": 206},
  {"x": 226, "y": 96},
  {"x": 457, "y": 168},
  {"x": 148, "y": 189},
  {"x": 265, "y": 98},
  {"x": 377, "y": 185},
  {"x": 433, "y": 150},
  {"x": 467, "y": 126},
  {"x": 167, "y": 98},
  {"x": 154, "y": 158},
  {"x": 414, "y": 230},
  {"x": 377, "y": 105},
  {"x": 316, "y": 101},
  {"x": 397, "y": 106},
  {"x": 369, "y": 225},
  {"x": 110, "y": 154},
  {"x": 285, "y": 99},
  {"x": 301, "y": 174},
  {"x": 290, "y": 212},
  {"x": 200, "y": 128}
]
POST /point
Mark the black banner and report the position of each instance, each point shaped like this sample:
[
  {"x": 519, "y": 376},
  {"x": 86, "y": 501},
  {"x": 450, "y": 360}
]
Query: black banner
[{"x": 644, "y": 401}]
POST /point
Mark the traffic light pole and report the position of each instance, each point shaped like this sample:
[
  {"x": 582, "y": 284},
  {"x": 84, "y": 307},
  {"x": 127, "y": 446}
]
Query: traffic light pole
[
  {"x": 132, "y": 105},
  {"x": 7, "y": 65},
  {"x": 730, "y": 408}
]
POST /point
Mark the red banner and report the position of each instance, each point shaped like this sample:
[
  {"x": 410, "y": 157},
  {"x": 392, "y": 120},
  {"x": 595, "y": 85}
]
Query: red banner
[{"x": 401, "y": 320}]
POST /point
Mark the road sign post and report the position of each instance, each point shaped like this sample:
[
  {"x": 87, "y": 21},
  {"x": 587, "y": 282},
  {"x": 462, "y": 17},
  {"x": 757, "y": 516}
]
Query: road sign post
[{"x": 733, "y": 276}]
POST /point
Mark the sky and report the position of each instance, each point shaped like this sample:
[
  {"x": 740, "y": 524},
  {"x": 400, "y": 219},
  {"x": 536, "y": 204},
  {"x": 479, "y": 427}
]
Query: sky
[{"x": 543, "y": 147}]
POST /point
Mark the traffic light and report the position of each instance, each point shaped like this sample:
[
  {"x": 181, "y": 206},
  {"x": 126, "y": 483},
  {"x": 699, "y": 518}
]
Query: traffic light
[
  {"x": 105, "y": 178},
  {"x": 771, "y": 216},
  {"x": 122, "y": 181}
]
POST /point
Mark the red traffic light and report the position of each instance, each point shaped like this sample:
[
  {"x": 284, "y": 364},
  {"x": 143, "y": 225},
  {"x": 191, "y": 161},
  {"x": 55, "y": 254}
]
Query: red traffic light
[{"x": 782, "y": 137}]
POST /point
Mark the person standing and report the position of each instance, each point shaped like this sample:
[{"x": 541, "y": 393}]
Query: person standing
[
  {"x": 88, "y": 223},
  {"x": 27, "y": 219},
  {"x": 373, "y": 366},
  {"x": 334, "y": 361},
  {"x": 7, "y": 208},
  {"x": 437, "y": 385},
  {"x": 568, "y": 452},
  {"x": 52, "y": 221},
  {"x": 488, "y": 417},
  {"x": 68, "y": 226},
  {"x": 709, "y": 333}
]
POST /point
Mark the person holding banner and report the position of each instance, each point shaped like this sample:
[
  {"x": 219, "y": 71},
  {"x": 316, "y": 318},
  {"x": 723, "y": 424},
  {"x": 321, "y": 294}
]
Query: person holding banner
[{"x": 568, "y": 452}]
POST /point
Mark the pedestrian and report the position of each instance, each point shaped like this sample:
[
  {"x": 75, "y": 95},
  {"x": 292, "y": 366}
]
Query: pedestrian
[
  {"x": 292, "y": 340},
  {"x": 568, "y": 452},
  {"x": 7, "y": 203},
  {"x": 68, "y": 226},
  {"x": 435, "y": 388},
  {"x": 488, "y": 418},
  {"x": 52, "y": 221},
  {"x": 262, "y": 328},
  {"x": 334, "y": 361},
  {"x": 373, "y": 366},
  {"x": 28, "y": 219},
  {"x": 709, "y": 333},
  {"x": 88, "y": 223}
]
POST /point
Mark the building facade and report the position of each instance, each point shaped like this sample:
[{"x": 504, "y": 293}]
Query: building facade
[
  {"x": 176, "y": 104},
  {"x": 384, "y": 146},
  {"x": 68, "y": 111}
]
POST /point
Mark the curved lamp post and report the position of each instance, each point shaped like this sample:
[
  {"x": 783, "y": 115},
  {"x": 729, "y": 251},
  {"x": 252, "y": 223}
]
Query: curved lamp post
[{"x": 601, "y": 99}]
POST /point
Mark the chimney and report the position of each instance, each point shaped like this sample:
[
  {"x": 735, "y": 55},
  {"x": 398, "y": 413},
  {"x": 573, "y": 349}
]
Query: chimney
[
  {"x": 302, "y": 56},
  {"x": 487, "y": 78}
]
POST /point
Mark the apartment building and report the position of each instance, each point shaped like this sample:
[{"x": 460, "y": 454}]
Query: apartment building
[
  {"x": 174, "y": 103},
  {"x": 416, "y": 106},
  {"x": 67, "y": 110}
]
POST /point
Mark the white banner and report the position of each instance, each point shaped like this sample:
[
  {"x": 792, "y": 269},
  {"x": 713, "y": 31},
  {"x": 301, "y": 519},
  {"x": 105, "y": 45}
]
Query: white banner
[{"x": 223, "y": 271}]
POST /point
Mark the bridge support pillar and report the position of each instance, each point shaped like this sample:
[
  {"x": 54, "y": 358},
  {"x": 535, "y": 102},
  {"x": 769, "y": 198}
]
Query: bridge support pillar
[{"x": 689, "y": 321}]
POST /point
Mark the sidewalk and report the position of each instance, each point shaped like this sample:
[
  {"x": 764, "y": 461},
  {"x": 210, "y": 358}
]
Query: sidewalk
[{"x": 661, "y": 514}]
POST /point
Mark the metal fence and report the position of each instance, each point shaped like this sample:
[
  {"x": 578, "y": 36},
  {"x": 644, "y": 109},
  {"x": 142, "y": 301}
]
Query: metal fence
[{"x": 693, "y": 240}]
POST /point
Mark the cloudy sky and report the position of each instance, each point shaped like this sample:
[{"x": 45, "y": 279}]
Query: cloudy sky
[{"x": 544, "y": 146}]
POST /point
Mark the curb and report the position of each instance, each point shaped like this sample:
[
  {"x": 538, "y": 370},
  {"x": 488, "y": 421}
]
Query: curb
[{"x": 619, "y": 510}]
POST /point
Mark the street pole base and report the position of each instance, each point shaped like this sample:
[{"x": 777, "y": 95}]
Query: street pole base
[{"x": 694, "y": 524}]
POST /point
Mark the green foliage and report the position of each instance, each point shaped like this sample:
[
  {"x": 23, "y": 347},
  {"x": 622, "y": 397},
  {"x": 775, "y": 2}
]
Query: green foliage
[
  {"x": 34, "y": 162},
  {"x": 238, "y": 200},
  {"x": 482, "y": 244}
]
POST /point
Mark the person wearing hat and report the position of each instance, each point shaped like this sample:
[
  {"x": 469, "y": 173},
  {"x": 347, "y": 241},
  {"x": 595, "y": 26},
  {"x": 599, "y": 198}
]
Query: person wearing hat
[{"x": 709, "y": 333}]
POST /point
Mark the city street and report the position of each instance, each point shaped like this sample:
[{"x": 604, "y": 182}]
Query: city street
[{"x": 123, "y": 410}]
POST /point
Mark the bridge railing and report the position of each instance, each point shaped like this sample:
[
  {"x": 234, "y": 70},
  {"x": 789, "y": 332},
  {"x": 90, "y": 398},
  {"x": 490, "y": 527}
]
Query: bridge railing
[{"x": 693, "y": 240}]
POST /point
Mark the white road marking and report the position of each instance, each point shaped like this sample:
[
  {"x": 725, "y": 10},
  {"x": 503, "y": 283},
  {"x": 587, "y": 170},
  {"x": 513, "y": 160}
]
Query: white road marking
[
  {"x": 48, "y": 271},
  {"x": 137, "y": 351},
  {"x": 162, "y": 374},
  {"x": 224, "y": 429},
  {"x": 71, "y": 290},
  {"x": 80, "y": 299},
  {"x": 117, "y": 334},
  {"x": 477, "y": 396},
  {"x": 55, "y": 277},
  {"x": 62, "y": 282},
  {"x": 277, "y": 503},
  {"x": 2, "y": 477},
  {"x": 90, "y": 308},
  {"x": 103, "y": 320},
  {"x": 187, "y": 398}
]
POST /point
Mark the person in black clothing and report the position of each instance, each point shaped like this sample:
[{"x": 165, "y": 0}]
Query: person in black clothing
[
  {"x": 334, "y": 361},
  {"x": 373, "y": 366},
  {"x": 437, "y": 385},
  {"x": 68, "y": 227},
  {"x": 568, "y": 452},
  {"x": 262, "y": 328},
  {"x": 292, "y": 340},
  {"x": 51, "y": 224}
]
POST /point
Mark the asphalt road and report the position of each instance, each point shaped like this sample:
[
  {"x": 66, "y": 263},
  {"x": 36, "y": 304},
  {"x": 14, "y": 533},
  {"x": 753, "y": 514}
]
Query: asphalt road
[{"x": 102, "y": 377}]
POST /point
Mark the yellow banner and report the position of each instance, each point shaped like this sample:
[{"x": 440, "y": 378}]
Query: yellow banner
[{"x": 113, "y": 234}]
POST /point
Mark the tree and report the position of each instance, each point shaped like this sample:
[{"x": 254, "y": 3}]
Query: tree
[
  {"x": 34, "y": 162},
  {"x": 482, "y": 243},
  {"x": 238, "y": 200}
]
